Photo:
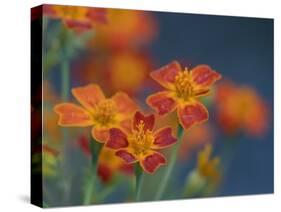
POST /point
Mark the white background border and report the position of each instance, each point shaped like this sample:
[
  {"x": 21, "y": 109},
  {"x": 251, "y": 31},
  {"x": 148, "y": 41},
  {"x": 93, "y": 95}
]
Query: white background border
[{"x": 15, "y": 102}]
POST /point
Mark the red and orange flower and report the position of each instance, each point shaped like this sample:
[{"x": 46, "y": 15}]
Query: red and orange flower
[
  {"x": 141, "y": 142},
  {"x": 98, "y": 111},
  {"x": 75, "y": 17},
  {"x": 240, "y": 107},
  {"x": 184, "y": 87}
]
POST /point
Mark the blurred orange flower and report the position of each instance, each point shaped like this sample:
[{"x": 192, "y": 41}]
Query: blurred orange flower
[
  {"x": 197, "y": 137},
  {"x": 125, "y": 28},
  {"x": 140, "y": 144},
  {"x": 97, "y": 111},
  {"x": 184, "y": 87},
  {"x": 128, "y": 71},
  {"x": 109, "y": 164},
  {"x": 75, "y": 17},
  {"x": 240, "y": 107},
  {"x": 120, "y": 71}
]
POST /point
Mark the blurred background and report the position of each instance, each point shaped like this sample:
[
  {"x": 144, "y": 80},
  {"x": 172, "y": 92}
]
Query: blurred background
[{"x": 117, "y": 49}]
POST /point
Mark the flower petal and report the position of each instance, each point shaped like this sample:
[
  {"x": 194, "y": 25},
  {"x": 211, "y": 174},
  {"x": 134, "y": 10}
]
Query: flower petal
[
  {"x": 88, "y": 96},
  {"x": 152, "y": 162},
  {"x": 147, "y": 120},
  {"x": 164, "y": 138},
  {"x": 192, "y": 113},
  {"x": 124, "y": 103},
  {"x": 71, "y": 115},
  {"x": 203, "y": 76},
  {"x": 161, "y": 102},
  {"x": 166, "y": 75},
  {"x": 117, "y": 139},
  {"x": 100, "y": 135},
  {"x": 126, "y": 156}
]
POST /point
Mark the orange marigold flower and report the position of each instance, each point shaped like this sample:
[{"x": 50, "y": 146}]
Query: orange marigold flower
[
  {"x": 241, "y": 108},
  {"x": 208, "y": 167},
  {"x": 183, "y": 89},
  {"x": 98, "y": 111},
  {"x": 75, "y": 17},
  {"x": 141, "y": 143}
]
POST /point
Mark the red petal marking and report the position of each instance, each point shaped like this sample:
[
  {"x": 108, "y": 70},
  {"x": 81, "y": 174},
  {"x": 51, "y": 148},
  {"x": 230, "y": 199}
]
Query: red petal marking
[
  {"x": 73, "y": 115},
  {"x": 126, "y": 156},
  {"x": 204, "y": 76},
  {"x": 147, "y": 120},
  {"x": 100, "y": 135},
  {"x": 152, "y": 162},
  {"x": 98, "y": 15},
  {"x": 124, "y": 103},
  {"x": 89, "y": 95},
  {"x": 164, "y": 138},
  {"x": 166, "y": 75},
  {"x": 117, "y": 139},
  {"x": 161, "y": 102},
  {"x": 191, "y": 114}
]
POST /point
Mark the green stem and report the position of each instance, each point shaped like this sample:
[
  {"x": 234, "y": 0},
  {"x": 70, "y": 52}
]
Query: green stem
[
  {"x": 89, "y": 190},
  {"x": 91, "y": 185},
  {"x": 139, "y": 181},
  {"x": 170, "y": 166},
  {"x": 65, "y": 80}
]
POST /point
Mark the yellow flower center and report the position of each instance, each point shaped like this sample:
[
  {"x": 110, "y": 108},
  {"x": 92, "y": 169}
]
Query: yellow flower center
[
  {"x": 184, "y": 87},
  {"x": 104, "y": 113},
  {"x": 140, "y": 139}
]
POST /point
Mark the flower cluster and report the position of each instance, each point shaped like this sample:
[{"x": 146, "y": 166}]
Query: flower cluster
[{"x": 118, "y": 123}]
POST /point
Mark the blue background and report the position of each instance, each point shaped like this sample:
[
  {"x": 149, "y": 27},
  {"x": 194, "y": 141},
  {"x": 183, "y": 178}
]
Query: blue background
[{"x": 241, "y": 49}]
